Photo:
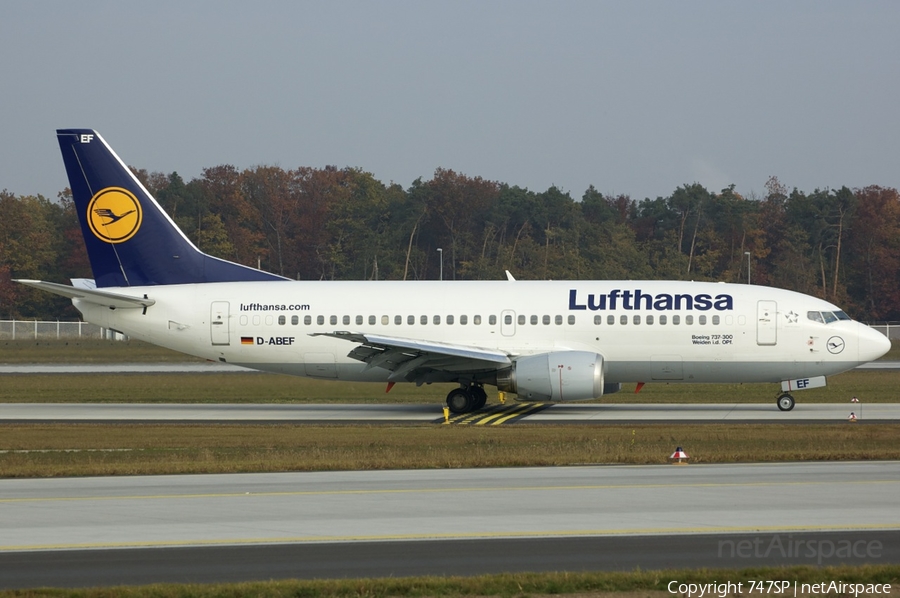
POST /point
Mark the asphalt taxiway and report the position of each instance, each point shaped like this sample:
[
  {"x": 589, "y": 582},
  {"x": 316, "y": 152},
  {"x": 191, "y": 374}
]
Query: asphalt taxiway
[{"x": 98, "y": 531}]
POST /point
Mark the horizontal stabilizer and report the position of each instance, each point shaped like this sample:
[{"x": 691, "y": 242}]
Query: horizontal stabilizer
[{"x": 104, "y": 298}]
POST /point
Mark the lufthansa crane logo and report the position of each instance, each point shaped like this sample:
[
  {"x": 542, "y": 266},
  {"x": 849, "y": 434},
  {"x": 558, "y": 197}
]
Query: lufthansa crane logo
[
  {"x": 114, "y": 215},
  {"x": 835, "y": 345}
]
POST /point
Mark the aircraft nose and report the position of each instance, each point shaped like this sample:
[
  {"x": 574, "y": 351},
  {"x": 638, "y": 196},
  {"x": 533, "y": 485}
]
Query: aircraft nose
[{"x": 872, "y": 344}]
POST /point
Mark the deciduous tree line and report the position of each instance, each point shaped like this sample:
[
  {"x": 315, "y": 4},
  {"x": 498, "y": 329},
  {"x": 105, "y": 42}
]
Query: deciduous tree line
[{"x": 329, "y": 224}]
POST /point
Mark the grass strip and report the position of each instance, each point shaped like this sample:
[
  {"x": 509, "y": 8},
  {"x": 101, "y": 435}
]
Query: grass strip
[
  {"x": 85, "y": 350},
  {"x": 47, "y": 450},
  {"x": 594, "y": 584}
]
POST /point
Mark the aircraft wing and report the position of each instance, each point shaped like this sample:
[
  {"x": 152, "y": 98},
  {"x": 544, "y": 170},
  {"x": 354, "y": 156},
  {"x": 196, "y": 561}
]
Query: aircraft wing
[
  {"x": 419, "y": 361},
  {"x": 104, "y": 298}
]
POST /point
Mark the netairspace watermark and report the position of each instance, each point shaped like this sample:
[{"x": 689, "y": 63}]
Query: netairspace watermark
[
  {"x": 797, "y": 548},
  {"x": 779, "y": 587}
]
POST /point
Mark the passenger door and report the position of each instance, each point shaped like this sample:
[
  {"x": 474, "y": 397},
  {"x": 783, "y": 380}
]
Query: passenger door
[
  {"x": 219, "y": 326},
  {"x": 766, "y": 323}
]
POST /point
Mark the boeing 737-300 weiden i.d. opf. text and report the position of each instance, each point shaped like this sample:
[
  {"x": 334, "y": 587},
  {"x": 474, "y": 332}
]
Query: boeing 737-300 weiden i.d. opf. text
[{"x": 544, "y": 340}]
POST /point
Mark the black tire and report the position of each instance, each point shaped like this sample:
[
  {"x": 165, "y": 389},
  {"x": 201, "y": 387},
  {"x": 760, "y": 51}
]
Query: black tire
[
  {"x": 460, "y": 401},
  {"x": 479, "y": 397},
  {"x": 785, "y": 402}
]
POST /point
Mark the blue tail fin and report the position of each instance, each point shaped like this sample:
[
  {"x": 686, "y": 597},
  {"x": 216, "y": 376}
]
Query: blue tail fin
[{"x": 130, "y": 240}]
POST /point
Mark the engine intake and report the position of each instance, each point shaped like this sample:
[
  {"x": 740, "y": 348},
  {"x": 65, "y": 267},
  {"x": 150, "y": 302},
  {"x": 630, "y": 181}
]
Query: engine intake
[{"x": 557, "y": 376}]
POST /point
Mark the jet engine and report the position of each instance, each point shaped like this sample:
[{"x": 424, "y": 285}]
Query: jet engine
[{"x": 557, "y": 376}]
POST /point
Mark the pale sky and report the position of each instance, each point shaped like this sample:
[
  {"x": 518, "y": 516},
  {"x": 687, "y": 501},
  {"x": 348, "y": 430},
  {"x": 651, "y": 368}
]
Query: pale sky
[{"x": 632, "y": 97}]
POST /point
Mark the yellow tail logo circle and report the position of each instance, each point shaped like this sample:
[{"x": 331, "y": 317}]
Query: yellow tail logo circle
[{"x": 114, "y": 215}]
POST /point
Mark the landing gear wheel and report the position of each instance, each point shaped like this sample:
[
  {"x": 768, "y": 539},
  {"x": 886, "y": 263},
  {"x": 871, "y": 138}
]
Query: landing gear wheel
[
  {"x": 460, "y": 400},
  {"x": 479, "y": 397},
  {"x": 785, "y": 402}
]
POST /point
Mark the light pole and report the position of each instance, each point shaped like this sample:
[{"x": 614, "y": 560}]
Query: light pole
[
  {"x": 747, "y": 253},
  {"x": 441, "y": 251}
]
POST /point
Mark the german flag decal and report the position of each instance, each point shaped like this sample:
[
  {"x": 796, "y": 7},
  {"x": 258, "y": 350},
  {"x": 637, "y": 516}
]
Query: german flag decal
[{"x": 246, "y": 340}]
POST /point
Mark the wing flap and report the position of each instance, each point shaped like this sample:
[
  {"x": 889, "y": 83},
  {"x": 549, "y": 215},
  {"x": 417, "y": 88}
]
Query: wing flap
[{"x": 411, "y": 359}]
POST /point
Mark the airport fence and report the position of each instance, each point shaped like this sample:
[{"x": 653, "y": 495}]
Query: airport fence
[
  {"x": 37, "y": 330},
  {"x": 889, "y": 329}
]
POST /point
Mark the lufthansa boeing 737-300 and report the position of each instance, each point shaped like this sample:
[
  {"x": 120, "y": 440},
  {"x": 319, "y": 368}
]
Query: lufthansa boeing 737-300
[{"x": 544, "y": 340}]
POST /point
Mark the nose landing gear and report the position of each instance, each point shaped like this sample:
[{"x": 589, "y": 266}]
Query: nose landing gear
[{"x": 785, "y": 401}]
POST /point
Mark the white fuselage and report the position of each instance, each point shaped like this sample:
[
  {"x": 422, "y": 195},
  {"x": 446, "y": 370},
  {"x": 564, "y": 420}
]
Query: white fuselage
[{"x": 646, "y": 331}]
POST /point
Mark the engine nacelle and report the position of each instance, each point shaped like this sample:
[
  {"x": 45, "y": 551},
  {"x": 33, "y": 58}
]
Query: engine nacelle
[{"x": 557, "y": 376}]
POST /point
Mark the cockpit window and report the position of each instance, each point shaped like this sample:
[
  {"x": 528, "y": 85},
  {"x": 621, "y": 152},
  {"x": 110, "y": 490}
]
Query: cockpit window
[{"x": 826, "y": 317}]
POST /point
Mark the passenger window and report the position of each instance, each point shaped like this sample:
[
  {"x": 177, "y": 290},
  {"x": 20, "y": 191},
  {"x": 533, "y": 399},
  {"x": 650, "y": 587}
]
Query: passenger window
[
  {"x": 371, "y": 320},
  {"x": 571, "y": 320},
  {"x": 307, "y": 320},
  {"x": 676, "y": 320},
  {"x": 546, "y": 320},
  {"x": 650, "y": 319},
  {"x": 295, "y": 320},
  {"x": 411, "y": 320},
  {"x": 715, "y": 320},
  {"x": 702, "y": 319},
  {"x": 320, "y": 320},
  {"x": 521, "y": 320},
  {"x": 282, "y": 320},
  {"x": 534, "y": 320},
  {"x": 507, "y": 319},
  {"x": 662, "y": 320},
  {"x": 688, "y": 320},
  {"x": 476, "y": 320},
  {"x": 385, "y": 320},
  {"x": 610, "y": 319},
  {"x": 463, "y": 320},
  {"x": 346, "y": 320},
  {"x": 623, "y": 319},
  {"x": 437, "y": 320},
  {"x": 423, "y": 320},
  {"x": 333, "y": 320},
  {"x": 449, "y": 319},
  {"x": 398, "y": 320},
  {"x": 558, "y": 320},
  {"x": 598, "y": 320},
  {"x": 637, "y": 320},
  {"x": 492, "y": 320},
  {"x": 359, "y": 320}
]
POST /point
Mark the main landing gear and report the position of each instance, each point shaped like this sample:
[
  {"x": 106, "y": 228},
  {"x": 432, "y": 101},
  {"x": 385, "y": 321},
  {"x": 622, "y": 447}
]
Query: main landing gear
[
  {"x": 466, "y": 398},
  {"x": 785, "y": 401}
]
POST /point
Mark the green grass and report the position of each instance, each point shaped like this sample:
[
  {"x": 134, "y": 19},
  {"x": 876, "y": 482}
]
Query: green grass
[
  {"x": 42, "y": 450},
  {"x": 86, "y": 351},
  {"x": 622, "y": 585}
]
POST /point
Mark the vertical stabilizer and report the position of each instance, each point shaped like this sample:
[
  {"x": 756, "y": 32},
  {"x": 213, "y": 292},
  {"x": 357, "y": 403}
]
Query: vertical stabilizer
[{"x": 130, "y": 240}]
